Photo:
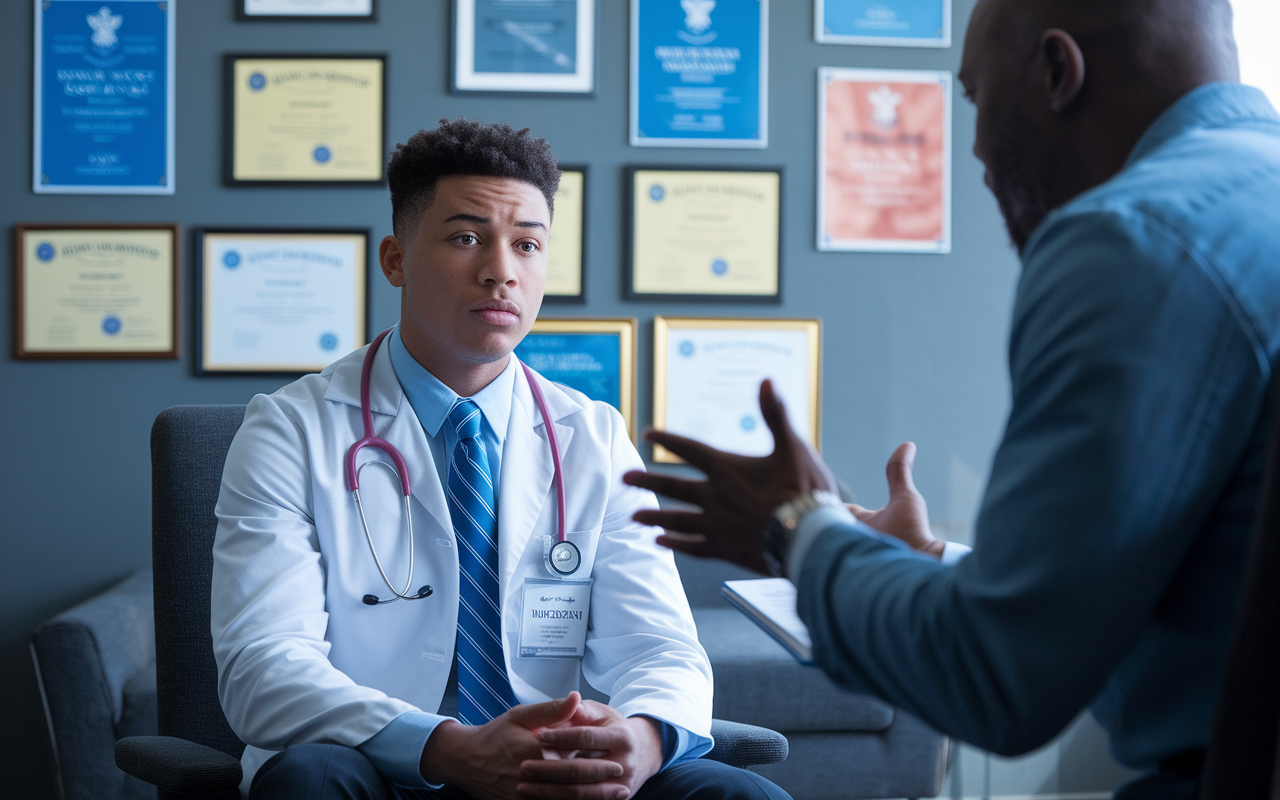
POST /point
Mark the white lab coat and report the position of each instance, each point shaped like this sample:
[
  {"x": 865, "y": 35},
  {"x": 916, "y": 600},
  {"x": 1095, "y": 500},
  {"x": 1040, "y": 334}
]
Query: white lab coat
[{"x": 302, "y": 659}]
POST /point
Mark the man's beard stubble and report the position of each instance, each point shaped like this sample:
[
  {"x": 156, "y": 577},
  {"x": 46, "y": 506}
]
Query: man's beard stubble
[{"x": 1027, "y": 180}]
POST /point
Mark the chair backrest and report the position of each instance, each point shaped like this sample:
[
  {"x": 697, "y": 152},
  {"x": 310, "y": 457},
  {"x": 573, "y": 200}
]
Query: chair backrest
[
  {"x": 188, "y": 449},
  {"x": 1241, "y": 760}
]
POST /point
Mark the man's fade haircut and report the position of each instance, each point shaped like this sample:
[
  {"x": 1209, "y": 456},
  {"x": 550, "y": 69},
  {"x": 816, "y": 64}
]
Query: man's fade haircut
[{"x": 464, "y": 147}]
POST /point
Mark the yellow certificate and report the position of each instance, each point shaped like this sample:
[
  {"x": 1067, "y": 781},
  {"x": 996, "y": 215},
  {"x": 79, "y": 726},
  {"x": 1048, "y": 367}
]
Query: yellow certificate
[
  {"x": 306, "y": 119},
  {"x": 103, "y": 291},
  {"x": 564, "y": 249},
  {"x": 705, "y": 233}
]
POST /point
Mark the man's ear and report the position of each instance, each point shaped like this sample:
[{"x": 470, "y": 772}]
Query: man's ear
[
  {"x": 1064, "y": 68},
  {"x": 391, "y": 257}
]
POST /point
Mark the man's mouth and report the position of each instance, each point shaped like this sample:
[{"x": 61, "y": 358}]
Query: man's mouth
[{"x": 497, "y": 312}]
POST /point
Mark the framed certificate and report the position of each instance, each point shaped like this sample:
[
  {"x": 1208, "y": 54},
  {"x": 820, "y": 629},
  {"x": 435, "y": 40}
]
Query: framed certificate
[
  {"x": 700, "y": 73},
  {"x": 894, "y": 23},
  {"x": 104, "y": 78},
  {"x": 884, "y": 160},
  {"x": 704, "y": 234},
  {"x": 281, "y": 10},
  {"x": 96, "y": 291},
  {"x": 707, "y": 374},
  {"x": 548, "y": 46},
  {"x": 595, "y": 356},
  {"x": 566, "y": 247},
  {"x": 279, "y": 301},
  {"x": 294, "y": 120}
]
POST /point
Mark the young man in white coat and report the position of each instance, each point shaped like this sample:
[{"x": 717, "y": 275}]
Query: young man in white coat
[{"x": 333, "y": 661}]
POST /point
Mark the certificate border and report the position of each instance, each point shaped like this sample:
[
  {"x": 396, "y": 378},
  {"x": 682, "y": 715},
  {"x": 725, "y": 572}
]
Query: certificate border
[
  {"x": 661, "y": 326},
  {"x": 19, "y": 305},
  {"x": 822, "y": 37},
  {"x": 627, "y": 330},
  {"x": 457, "y": 52},
  {"x": 244, "y": 16},
  {"x": 828, "y": 74},
  {"x": 629, "y": 238},
  {"x": 229, "y": 121},
  {"x": 170, "y": 162},
  {"x": 200, "y": 299},
  {"x": 581, "y": 297},
  {"x": 759, "y": 143}
]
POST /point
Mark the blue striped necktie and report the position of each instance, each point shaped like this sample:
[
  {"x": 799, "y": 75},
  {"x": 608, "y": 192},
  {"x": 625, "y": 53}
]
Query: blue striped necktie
[{"x": 483, "y": 689}]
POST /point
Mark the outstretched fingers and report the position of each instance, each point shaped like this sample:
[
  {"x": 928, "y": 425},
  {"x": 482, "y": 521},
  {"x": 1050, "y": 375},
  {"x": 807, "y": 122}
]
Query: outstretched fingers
[
  {"x": 689, "y": 491},
  {"x": 700, "y": 455}
]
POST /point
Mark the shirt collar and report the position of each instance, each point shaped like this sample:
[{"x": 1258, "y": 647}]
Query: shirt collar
[
  {"x": 432, "y": 400},
  {"x": 1207, "y": 106}
]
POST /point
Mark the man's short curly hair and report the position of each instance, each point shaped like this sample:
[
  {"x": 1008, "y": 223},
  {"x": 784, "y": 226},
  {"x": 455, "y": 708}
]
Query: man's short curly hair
[{"x": 464, "y": 147}]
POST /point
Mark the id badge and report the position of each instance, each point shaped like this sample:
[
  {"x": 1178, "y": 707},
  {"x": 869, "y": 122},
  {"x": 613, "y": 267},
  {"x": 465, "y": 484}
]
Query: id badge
[{"x": 553, "y": 618}]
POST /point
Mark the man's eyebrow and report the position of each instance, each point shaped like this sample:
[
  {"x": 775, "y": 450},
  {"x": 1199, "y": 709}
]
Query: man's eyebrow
[
  {"x": 469, "y": 218},
  {"x": 531, "y": 225}
]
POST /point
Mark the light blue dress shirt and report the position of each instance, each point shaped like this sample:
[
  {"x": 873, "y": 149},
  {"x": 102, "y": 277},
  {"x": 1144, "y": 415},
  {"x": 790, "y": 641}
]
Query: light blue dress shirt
[
  {"x": 1111, "y": 542},
  {"x": 396, "y": 750}
]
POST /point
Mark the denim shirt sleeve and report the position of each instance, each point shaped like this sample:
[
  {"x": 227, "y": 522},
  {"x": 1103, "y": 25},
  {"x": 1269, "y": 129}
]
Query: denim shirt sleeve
[{"x": 396, "y": 750}]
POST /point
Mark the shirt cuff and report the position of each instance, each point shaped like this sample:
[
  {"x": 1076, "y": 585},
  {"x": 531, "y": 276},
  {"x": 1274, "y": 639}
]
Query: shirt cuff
[
  {"x": 811, "y": 526},
  {"x": 396, "y": 750},
  {"x": 679, "y": 744},
  {"x": 952, "y": 552}
]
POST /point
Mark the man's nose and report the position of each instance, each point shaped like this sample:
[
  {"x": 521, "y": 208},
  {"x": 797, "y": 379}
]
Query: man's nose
[{"x": 500, "y": 267}]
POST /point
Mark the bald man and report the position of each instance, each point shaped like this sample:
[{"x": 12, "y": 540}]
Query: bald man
[{"x": 1141, "y": 185}]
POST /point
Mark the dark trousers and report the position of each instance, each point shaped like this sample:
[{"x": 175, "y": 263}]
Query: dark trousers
[{"x": 334, "y": 772}]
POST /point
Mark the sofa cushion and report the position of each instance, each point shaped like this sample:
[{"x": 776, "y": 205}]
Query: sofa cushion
[{"x": 759, "y": 683}]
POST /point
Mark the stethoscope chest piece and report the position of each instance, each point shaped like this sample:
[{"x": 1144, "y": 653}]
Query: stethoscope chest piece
[{"x": 565, "y": 558}]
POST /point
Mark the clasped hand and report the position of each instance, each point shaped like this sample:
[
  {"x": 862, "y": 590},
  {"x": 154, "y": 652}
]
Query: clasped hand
[{"x": 504, "y": 758}]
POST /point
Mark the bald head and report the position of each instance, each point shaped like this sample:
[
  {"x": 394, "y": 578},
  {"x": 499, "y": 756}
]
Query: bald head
[{"x": 1065, "y": 88}]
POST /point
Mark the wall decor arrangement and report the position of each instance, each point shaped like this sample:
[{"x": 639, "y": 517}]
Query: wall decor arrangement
[
  {"x": 884, "y": 160},
  {"x": 707, "y": 374},
  {"x": 95, "y": 291},
  {"x": 292, "y": 10},
  {"x": 287, "y": 301},
  {"x": 700, "y": 74},
  {"x": 546, "y": 47},
  {"x": 103, "y": 99},
  {"x": 596, "y": 356},
  {"x": 304, "y": 120},
  {"x": 566, "y": 255},
  {"x": 889, "y": 23},
  {"x": 704, "y": 234}
]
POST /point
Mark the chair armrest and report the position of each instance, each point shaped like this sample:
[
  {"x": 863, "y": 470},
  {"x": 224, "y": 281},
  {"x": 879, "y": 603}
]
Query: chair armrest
[
  {"x": 740, "y": 745},
  {"x": 177, "y": 765}
]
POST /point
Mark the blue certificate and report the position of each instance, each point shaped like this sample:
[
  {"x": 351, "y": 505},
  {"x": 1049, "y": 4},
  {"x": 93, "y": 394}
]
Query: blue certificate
[
  {"x": 103, "y": 97},
  {"x": 699, "y": 73},
  {"x": 588, "y": 362},
  {"x": 896, "y": 23}
]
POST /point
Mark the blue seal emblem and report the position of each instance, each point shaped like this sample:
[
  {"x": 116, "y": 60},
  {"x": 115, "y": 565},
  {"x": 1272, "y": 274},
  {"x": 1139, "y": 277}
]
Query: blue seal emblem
[
  {"x": 686, "y": 348},
  {"x": 231, "y": 259},
  {"x": 111, "y": 325},
  {"x": 328, "y": 342},
  {"x": 657, "y": 193},
  {"x": 257, "y": 81},
  {"x": 45, "y": 252},
  {"x": 748, "y": 423},
  {"x": 321, "y": 154},
  {"x": 719, "y": 266}
]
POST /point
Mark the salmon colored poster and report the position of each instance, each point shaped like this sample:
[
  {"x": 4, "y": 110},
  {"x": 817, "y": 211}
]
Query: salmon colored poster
[{"x": 884, "y": 160}]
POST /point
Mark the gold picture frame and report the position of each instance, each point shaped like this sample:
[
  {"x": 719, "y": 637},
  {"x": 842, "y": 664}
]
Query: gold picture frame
[
  {"x": 695, "y": 364},
  {"x": 587, "y": 355}
]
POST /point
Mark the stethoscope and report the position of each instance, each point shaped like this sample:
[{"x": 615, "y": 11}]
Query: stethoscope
[{"x": 563, "y": 559}]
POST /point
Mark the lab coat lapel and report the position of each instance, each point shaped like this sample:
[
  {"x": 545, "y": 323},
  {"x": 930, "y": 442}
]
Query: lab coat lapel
[{"x": 525, "y": 486}]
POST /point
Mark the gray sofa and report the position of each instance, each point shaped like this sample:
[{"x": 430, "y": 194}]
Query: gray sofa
[{"x": 96, "y": 667}]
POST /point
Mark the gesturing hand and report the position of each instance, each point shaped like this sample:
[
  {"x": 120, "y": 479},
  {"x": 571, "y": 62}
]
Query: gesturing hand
[
  {"x": 740, "y": 492},
  {"x": 631, "y": 744},
  {"x": 485, "y": 760},
  {"x": 906, "y": 516}
]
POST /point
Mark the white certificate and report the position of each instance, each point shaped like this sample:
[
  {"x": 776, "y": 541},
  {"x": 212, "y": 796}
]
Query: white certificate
[
  {"x": 281, "y": 302},
  {"x": 708, "y": 373}
]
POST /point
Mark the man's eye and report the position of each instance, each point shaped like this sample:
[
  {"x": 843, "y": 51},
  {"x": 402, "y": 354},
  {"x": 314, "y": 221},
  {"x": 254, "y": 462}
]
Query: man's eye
[
  {"x": 528, "y": 247},
  {"x": 467, "y": 239}
]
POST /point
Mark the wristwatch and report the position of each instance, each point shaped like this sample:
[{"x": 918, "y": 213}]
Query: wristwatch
[{"x": 781, "y": 531}]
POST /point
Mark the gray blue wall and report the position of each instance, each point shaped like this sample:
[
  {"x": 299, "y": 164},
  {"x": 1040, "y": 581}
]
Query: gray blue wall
[{"x": 914, "y": 343}]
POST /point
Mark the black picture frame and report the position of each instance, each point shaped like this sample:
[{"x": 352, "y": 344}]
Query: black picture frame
[
  {"x": 629, "y": 238},
  {"x": 244, "y": 16},
  {"x": 198, "y": 296},
  {"x": 229, "y": 122},
  {"x": 581, "y": 297}
]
